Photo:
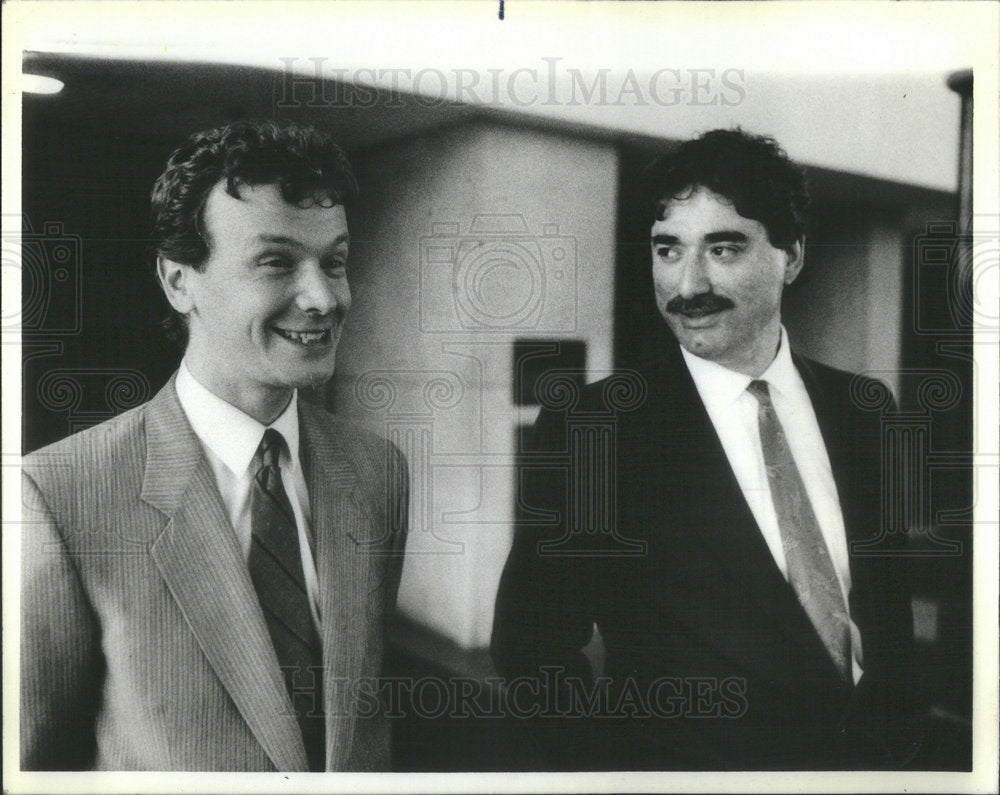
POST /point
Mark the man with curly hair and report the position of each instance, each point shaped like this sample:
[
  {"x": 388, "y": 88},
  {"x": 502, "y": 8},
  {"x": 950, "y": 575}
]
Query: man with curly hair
[
  {"x": 206, "y": 578},
  {"x": 741, "y": 628}
]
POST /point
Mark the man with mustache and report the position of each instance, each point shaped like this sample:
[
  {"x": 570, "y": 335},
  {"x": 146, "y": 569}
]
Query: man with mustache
[
  {"x": 741, "y": 630},
  {"x": 206, "y": 578}
]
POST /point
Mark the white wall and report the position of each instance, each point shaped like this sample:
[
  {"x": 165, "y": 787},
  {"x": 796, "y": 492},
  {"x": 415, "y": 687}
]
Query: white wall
[
  {"x": 847, "y": 307},
  {"x": 429, "y": 295}
]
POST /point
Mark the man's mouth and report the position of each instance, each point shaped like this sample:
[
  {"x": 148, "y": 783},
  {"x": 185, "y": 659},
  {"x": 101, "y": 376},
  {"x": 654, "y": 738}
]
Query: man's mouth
[
  {"x": 704, "y": 312},
  {"x": 306, "y": 338}
]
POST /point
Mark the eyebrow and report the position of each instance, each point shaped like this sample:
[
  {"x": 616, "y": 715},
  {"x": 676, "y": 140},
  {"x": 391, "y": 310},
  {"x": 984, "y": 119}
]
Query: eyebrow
[
  {"x": 664, "y": 240},
  {"x": 283, "y": 240},
  {"x": 725, "y": 236}
]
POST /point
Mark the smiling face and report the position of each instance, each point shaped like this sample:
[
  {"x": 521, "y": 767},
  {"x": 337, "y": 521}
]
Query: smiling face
[
  {"x": 265, "y": 311},
  {"x": 718, "y": 281}
]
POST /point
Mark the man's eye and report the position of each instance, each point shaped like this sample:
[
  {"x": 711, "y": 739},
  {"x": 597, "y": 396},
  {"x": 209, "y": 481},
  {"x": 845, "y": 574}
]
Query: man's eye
[
  {"x": 668, "y": 253},
  {"x": 276, "y": 262},
  {"x": 724, "y": 252},
  {"x": 335, "y": 267}
]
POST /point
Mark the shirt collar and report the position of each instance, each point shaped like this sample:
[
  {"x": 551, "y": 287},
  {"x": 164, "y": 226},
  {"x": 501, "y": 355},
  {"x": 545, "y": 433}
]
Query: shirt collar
[
  {"x": 781, "y": 375},
  {"x": 721, "y": 387},
  {"x": 229, "y": 433}
]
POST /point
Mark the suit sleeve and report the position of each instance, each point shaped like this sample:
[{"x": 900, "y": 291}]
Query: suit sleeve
[
  {"x": 884, "y": 721},
  {"x": 545, "y": 606},
  {"x": 61, "y": 664},
  {"x": 905, "y": 706},
  {"x": 372, "y": 746}
]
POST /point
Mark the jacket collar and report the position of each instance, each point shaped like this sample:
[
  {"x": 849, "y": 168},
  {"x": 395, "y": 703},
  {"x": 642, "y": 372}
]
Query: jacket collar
[{"x": 200, "y": 561}]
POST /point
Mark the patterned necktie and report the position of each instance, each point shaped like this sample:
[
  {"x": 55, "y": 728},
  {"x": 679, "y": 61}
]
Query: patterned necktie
[
  {"x": 810, "y": 570},
  {"x": 276, "y": 571}
]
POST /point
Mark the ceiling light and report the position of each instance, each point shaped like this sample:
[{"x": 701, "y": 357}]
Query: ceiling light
[{"x": 38, "y": 84}]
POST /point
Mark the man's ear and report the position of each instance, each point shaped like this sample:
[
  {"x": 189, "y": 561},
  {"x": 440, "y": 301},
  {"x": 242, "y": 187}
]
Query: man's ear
[
  {"x": 796, "y": 254},
  {"x": 175, "y": 279}
]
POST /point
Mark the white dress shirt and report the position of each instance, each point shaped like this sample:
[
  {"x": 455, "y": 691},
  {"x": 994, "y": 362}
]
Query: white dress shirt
[
  {"x": 733, "y": 412},
  {"x": 230, "y": 439}
]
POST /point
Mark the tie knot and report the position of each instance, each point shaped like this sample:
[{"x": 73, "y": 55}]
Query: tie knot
[
  {"x": 760, "y": 391},
  {"x": 270, "y": 448}
]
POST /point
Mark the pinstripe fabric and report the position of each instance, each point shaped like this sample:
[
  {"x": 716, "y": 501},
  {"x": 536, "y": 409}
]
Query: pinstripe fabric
[
  {"x": 358, "y": 573},
  {"x": 143, "y": 646}
]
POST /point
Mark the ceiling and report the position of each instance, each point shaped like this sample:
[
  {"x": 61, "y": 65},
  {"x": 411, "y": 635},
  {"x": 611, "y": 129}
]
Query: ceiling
[
  {"x": 157, "y": 100},
  {"x": 162, "y": 102}
]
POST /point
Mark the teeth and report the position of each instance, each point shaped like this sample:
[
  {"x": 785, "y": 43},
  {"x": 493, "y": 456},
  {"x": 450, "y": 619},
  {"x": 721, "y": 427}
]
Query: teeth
[{"x": 304, "y": 337}]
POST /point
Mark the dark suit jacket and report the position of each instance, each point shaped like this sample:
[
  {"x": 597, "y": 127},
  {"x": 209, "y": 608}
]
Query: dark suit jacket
[
  {"x": 712, "y": 662},
  {"x": 143, "y": 644}
]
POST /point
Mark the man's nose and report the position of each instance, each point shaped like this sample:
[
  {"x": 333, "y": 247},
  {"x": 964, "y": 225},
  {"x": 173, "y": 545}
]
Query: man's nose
[
  {"x": 693, "y": 277},
  {"x": 320, "y": 292}
]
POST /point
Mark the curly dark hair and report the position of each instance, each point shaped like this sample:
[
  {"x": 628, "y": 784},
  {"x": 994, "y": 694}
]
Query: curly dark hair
[
  {"x": 751, "y": 171},
  {"x": 303, "y": 161}
]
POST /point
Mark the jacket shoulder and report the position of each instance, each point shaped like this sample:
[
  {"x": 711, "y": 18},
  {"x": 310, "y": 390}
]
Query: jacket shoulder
[
  {"x": 864, "y": 392},
  {"x": 357, "y": 442},
  {"x": 89, "y": 483},
  {"x": 824, "y": 371},
  {"x": 86, "y": 456}
]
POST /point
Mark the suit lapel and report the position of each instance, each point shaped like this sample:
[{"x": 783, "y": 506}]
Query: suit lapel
[
  {"x": 200, "y": 560},
  {"x": 729, "y": 546},
  {"x": 838, "y": 443},
  {"x": 846, "y": 450},
  {"x": 697, "y": 459},
  {"x": 340, "y": 526}
]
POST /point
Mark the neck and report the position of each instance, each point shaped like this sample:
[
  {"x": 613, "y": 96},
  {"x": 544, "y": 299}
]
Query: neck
[
  {"x": 264, "y": 404},
  {"x": 762, "y": 353}
]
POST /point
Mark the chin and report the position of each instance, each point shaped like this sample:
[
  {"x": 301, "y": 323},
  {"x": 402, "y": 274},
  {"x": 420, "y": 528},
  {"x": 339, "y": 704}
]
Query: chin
[
  {"x": 316, "y": 378},
  {"x": 703, "y": 348},
  {"x": 701, "y": 351},
  {"x": 307, "y": 377},
  {"x": 695, "y": 341}
]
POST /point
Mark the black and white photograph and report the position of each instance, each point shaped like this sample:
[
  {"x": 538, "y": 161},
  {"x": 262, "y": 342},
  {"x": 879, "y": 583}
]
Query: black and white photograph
[{"x": 500, "y": 396}]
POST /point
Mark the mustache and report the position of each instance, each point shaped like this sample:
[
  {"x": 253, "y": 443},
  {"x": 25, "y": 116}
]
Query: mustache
[{"x": 698, "y": 305}]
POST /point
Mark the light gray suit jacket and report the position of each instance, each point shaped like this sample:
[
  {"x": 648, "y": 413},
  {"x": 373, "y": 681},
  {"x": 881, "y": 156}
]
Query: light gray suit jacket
[{"x": 143, "y": 644}]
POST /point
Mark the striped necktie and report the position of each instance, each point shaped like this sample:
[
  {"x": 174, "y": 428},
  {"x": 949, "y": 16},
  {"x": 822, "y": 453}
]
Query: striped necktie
[{"x": 275, "y": 566}]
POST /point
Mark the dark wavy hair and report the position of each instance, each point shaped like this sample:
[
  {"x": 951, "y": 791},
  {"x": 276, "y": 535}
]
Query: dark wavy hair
[
  {"x": 751, "y": 171},
  {"x": 303, "y": 161}
]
